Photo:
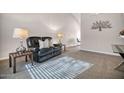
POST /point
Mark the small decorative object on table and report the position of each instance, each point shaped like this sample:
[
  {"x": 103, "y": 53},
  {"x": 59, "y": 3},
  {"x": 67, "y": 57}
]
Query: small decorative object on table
[
  {"x": 13, "y": 56},
  {"x": 21, "y": 34}
]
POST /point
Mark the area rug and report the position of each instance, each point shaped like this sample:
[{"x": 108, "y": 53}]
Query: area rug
[{"x": 61, "y": 68}]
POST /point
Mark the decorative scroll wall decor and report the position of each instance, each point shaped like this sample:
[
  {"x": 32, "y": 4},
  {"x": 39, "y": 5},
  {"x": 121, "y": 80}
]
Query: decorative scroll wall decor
[{"x": 101, "y": 25}]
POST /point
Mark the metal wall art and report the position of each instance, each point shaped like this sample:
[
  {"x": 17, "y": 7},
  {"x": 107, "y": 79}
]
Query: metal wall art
[{"x": 101, "y": 25}]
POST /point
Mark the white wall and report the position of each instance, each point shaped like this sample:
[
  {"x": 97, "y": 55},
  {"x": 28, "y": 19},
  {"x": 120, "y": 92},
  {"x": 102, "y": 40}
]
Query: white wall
[
  {"x": 101, "y": 41},
  {"x": 0, "y": 39},
  {"x": 38, "y": 25}
]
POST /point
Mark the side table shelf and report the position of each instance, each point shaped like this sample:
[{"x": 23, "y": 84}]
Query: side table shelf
[{"x": 13, "y": 56}]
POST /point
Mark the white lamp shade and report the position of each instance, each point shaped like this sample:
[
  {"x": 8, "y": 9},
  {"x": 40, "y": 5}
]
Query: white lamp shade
[
  {"x": 60, "y": 35},
  {"x": 20, "y": 33}
]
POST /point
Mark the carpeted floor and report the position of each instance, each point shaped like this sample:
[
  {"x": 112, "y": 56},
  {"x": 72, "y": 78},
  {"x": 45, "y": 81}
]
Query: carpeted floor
[{"x": 103, "y": 67}]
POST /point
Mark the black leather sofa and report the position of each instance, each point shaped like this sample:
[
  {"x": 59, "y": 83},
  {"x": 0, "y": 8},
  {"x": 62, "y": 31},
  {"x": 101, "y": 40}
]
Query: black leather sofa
[{"x": 43, "y": 54}]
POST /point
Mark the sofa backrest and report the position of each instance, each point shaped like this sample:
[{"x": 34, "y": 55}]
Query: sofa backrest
[{"x": 33, "y": 42}]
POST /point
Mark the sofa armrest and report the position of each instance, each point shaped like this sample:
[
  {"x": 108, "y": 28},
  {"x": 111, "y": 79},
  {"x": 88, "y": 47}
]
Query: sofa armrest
[
  {"x": 36, "y": 50},
  {"x": 57, "y": 45}
]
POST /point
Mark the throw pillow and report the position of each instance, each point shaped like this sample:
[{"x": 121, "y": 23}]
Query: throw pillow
[
  {"x": 41, "y": 43},
  {"x": 46, "y": 43}
]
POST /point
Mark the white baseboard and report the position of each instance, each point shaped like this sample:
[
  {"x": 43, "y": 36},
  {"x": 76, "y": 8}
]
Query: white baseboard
[
  {"x": 108, "y": 53},
  {"x": 73, "y": 45},
  {"x": 4, "y": 58}
]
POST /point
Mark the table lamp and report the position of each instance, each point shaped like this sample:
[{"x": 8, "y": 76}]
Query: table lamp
[
  {"x": 60, "y": 36},
  {"x": 21, "y": 34}
]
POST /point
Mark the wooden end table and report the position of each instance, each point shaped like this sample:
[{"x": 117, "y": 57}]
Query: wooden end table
[{"x": 13, "y": 56}]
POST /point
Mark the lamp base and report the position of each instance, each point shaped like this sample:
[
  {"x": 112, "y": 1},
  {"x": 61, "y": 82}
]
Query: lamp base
[{"x": 21, "y": 49}]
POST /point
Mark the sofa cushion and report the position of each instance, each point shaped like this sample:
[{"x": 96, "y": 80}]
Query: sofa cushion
[
  {"x": 45, "y": 51},
  {"x": 56, "y": 49}
]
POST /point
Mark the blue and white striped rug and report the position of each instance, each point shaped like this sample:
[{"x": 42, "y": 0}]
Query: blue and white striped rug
[{"x": 62, "y": 68}]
